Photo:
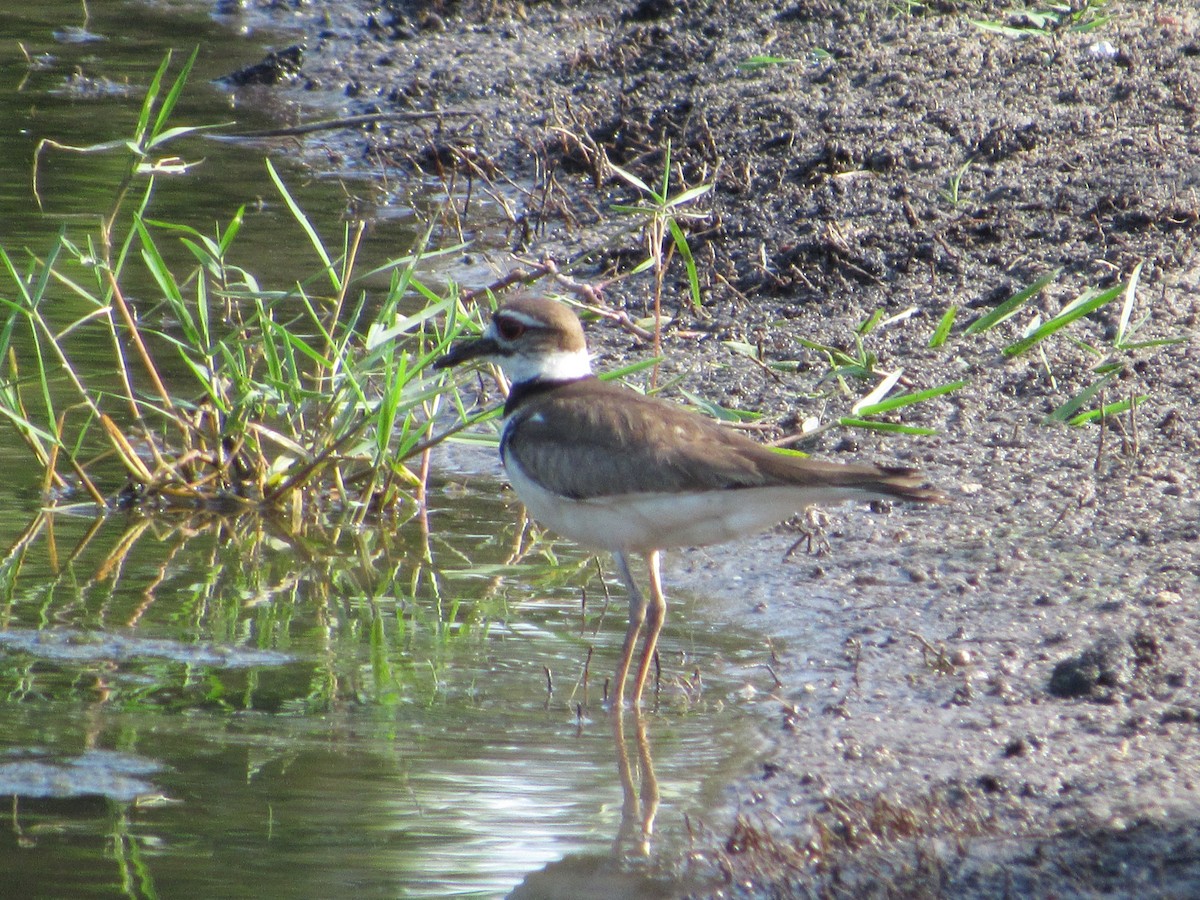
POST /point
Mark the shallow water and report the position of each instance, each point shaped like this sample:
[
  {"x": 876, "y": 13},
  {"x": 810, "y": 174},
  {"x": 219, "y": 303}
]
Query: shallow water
[
  {"x": 311, "y": 725},
  {"x": 82, "y": 94},
  {"x": 213, "y": 708}
]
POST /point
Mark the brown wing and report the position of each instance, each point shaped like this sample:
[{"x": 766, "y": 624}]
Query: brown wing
[{"x": 593, "y": 439}]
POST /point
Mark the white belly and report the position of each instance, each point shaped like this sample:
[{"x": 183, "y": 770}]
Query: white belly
[{"x": 638, "y": 523}]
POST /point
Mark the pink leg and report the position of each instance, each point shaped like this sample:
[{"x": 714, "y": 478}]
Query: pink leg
[
  {"x": 657, "y": 614},
  {"x": 637, "y": 615}
]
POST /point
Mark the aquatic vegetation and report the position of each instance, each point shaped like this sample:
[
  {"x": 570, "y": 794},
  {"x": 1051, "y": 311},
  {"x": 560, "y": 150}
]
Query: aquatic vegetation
[{"x": 225, "y": 394}]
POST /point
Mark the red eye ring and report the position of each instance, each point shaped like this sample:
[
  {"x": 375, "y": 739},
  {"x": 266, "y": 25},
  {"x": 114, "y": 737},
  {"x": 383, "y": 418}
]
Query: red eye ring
[{"x": 508, "y": 328}]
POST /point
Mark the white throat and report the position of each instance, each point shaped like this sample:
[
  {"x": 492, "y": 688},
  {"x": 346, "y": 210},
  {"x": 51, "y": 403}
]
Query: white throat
[{"x": 559, "y": 365}]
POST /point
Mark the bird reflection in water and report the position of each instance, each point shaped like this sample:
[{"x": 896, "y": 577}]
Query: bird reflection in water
[
  {"x": 623, "y": 872},
  {"x": 639, "y": 805}
]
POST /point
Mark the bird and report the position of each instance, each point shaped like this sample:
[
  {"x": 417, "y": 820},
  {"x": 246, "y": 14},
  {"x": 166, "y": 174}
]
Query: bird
[{"x": 618, "y": 471}]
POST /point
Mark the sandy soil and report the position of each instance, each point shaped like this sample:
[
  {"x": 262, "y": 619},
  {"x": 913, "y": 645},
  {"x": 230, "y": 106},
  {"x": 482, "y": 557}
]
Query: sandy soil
[{"x": 992, "y": 698}]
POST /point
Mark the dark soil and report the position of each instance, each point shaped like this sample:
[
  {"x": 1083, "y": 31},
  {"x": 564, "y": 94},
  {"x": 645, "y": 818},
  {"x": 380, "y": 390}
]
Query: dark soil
[{"x": 992, "y": 698}]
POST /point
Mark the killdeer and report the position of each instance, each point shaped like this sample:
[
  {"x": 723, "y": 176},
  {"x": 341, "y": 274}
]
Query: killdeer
[{"x": 614, "y": 470}]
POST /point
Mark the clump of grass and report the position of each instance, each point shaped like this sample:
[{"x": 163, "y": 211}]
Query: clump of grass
[
  {"x": 848, "y": 366},
  {"x": 952, "y": 193},
  {"x": 1050, "y": 18},
  {"x": 298, "y": 398},
  {"x": 1114, "y": 359},
  {"x": 660, "y": 215}
]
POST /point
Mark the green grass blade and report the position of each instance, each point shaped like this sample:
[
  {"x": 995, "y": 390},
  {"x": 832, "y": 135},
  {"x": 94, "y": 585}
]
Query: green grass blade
[
  {"x": 180, "y": 131},
  {"x": 43, "y": 377},
  {"x": 634, "y": 209},
  {"x": 718, "y": 412},
  {"x": 378, "y": 335},
  {"x": 643, "y": 266},
  {"x": 6, "y": 334},
  {"x": 1110, "y": 409},
  {"x": 636, "y": 182},
  {"x": 204, "y": 377},
  {"x": 302, "y": 219},
  {"x": 143, "y": 123},
  {"x": 9, "y": 411},
  {"x": 231, "y": 231},
  {"x": 296, "y": 342},
  {"x": 168, "y": 106},
  {"x": 205, "y": 252},
  {"x": 118, "y": 267},
  {"x": 868, "y": 324},
  {"x": 203, "y": 317},
  {"x": 1158, "y": 342},
  {"x": 1076, "y": 309},
  {"x": 689, "y": 261},
  {"x": 942, "y": 332},
  {"x": 1068, "y": 409},
  {"x": 1127, "y": 307},
  {"x": 689, "y": 195},
  {"x": 17, "y": 280},
  {"x": 1000, "y": 28},
  {"x": 666, "y": 178},
  {"x": 1011, "y": 305},
  {"x": 632, "y": 369},
  {"x": 902, "y": 400},
  {"x": 762, "y": 61},
  {"x": 161, "y": 272},
  {"x": 195, "y": 336},
  {"x": 407, "y": 262},
  {"x": 891, "y": 427},
  {"x": 43, "y": 282}
]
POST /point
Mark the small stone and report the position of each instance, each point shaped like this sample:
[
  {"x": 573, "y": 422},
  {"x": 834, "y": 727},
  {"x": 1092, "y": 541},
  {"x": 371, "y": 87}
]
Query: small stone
[{"x": 1167, "y": 598}]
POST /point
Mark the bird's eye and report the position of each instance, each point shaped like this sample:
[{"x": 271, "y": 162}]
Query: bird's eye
[{"x": 509, "y": 329}]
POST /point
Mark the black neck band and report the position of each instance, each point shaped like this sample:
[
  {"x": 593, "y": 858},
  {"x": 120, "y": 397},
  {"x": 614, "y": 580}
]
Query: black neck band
[{"x": 525, "y": 390}]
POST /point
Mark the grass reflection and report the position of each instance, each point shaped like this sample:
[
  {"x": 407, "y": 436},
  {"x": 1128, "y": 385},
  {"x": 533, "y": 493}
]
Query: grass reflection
[{"x": 157, "y": 607}]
